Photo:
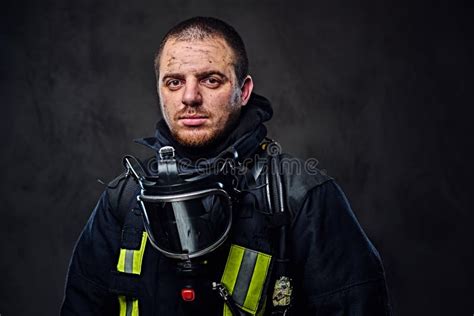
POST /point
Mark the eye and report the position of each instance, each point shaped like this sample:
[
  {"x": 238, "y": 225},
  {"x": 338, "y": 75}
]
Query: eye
[
  {"x": 211, "y": 82},
  {"x": 174, "y": 84}
]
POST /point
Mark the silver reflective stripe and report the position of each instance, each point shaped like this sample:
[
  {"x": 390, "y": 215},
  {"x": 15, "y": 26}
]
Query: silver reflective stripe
[
  {"x": 245, "y": 276},
  {"x": 129, "y": 307},
  {"x": 128, "y": 262}
]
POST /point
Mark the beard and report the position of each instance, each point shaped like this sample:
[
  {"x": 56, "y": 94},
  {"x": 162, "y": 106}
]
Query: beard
[{"x": 211, "y": 136}]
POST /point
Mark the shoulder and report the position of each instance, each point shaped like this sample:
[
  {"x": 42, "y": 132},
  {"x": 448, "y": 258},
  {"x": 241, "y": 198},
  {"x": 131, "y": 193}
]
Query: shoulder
[{"x": 299, "y": 178}]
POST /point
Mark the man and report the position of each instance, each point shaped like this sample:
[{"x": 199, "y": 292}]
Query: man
[{"x": 309, "y": 254}]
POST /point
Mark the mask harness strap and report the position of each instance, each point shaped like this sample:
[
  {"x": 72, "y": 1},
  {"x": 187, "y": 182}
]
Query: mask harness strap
[
  {"x": 283, "y": 288},
  {"x": 125, "y": 281}
]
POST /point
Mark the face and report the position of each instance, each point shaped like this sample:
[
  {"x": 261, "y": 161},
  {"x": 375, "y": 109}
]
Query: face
[{"x": 199, "y": 94}]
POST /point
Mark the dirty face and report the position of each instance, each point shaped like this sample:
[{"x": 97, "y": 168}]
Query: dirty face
[{"x": 199, "y": 94}]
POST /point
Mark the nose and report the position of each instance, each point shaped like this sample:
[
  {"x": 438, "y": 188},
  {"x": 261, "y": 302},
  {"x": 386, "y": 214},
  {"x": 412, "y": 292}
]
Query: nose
[{"x": 192, "y": 95}]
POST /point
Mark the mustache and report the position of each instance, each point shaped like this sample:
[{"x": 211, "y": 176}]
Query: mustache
[{"x": 187, "y": 112}]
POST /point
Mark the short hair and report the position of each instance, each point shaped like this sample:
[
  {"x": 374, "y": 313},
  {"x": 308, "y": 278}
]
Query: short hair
[{"x": 199, "y": 28}]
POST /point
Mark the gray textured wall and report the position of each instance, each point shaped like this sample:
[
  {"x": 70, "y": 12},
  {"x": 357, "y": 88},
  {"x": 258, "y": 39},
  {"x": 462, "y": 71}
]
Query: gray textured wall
[{"x": 379, "y": 91}]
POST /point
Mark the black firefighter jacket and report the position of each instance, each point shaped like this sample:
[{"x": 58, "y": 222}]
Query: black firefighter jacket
[{"x": 335, "y": 268}]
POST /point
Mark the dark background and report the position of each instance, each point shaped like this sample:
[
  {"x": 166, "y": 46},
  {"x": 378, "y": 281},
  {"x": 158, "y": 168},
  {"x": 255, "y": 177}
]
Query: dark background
[{"x": 378, "y": 91}]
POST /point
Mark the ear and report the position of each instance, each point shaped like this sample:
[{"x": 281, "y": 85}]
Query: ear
[{"x": 246, "y": 90}]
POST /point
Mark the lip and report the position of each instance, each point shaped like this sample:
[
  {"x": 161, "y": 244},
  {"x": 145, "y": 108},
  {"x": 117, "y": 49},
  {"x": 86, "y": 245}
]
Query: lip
[{"x": 193, "y": 120}]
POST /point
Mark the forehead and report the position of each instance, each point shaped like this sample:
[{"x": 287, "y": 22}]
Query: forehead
[{"x": 181, "y": 55}]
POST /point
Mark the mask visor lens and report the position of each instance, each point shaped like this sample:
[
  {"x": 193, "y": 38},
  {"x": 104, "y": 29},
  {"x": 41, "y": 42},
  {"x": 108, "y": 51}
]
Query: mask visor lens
[{"x": 190, "y": 226}]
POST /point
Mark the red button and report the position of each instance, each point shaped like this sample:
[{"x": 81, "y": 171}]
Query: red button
[{"x": 188, "y": 295}]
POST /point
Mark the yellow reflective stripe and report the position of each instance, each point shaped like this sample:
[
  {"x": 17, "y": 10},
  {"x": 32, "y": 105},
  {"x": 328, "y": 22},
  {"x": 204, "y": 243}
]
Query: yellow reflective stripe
[
  {"x": 232, "y": 267},
  {"x": 128, "y": 307},
  {"x": 138, "y": 256},
  {"x": 123, "y": 305},
  {"x": 134, "y": 308},
  {"x": 130, "y": 261},
  {"x": 257, "y": 279},
  {"x": 256, "y": 284},
  {"x": 121, "y": 261}
]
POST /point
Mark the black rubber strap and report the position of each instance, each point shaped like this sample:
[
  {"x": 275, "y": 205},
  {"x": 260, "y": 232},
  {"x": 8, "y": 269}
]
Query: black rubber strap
[
  {"x": 132, "y": 230},
  {"x": 125, "y": 284}
]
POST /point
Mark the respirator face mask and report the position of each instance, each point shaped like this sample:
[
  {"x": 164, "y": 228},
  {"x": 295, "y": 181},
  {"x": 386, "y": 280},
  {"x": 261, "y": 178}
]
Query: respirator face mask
[{"x": 186, "y": 216}]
